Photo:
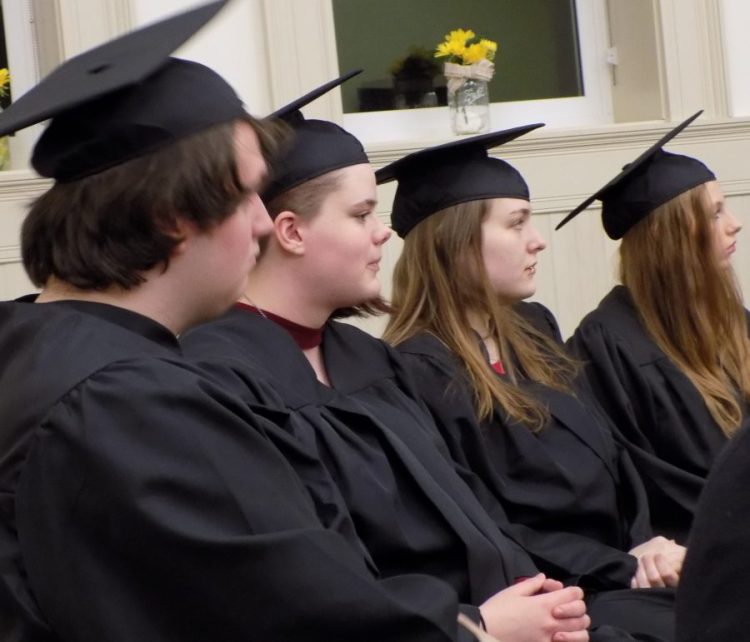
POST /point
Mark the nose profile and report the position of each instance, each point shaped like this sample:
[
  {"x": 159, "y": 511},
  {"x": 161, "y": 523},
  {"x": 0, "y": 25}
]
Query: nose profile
[
  {"x": 383, "y": 233},
  {"x": 537, "y": 241},
  {"x": 734, "y": 224}
]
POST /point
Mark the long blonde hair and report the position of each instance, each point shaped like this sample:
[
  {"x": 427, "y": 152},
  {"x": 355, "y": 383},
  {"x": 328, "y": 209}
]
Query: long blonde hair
[
  {"x": 690, "y": 305},
  {"x": 438, "y": 279}
]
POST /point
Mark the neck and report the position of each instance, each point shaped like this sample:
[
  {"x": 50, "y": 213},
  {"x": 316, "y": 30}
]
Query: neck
[
  {"x": 275, "y": 288},
  {"x": 305, "y": 337},
  {"x": 479, "y": 322}
]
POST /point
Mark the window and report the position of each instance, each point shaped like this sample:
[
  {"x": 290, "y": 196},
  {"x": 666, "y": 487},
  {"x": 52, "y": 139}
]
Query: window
[
  {"x": 679, "y": 69},
  {"x": 538, "y": 55},
  {"x": 550, "y": 66}
]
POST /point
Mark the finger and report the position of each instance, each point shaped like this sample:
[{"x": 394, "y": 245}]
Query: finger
[
  {"x": 652, "y": 572},
  {"x": 570, "y": 609},
  {"x": 573, "y": 624},
  {"x": 563, "y": 596},
  {"x": 551, "y": 585},
  {"x": 677, "y": 557},
  {"x": 640, "y": 578},
  {"x": 668, "y": 574},
  {"x": 529, "y": 586}
]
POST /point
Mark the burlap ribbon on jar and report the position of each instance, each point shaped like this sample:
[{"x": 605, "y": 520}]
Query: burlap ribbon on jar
[{"x": 457, "y": 75}]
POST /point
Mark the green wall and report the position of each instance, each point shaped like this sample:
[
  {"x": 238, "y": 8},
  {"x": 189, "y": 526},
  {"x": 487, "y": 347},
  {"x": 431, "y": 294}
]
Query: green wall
[{"x": 537, "y": 53}]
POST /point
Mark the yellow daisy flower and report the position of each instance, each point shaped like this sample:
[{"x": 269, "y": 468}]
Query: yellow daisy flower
[{"x": 4, "y": 80}]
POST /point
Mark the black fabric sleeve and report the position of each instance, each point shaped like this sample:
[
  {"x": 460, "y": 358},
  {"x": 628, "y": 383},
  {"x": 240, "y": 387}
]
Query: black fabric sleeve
[
  {"x": 151, "y": 511},
  {"x": 716, "y": 572}
]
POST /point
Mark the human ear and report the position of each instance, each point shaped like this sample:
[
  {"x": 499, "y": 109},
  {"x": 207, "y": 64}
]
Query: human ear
[
  {"x": 182, "y": 231},
  {"x": 287, "y": 230}
]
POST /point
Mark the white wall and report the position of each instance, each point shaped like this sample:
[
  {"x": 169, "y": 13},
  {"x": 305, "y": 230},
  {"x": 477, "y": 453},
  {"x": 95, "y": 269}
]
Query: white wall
[
  {"x": 233, "y": 44},
  {"x": 736, "y": 24}
]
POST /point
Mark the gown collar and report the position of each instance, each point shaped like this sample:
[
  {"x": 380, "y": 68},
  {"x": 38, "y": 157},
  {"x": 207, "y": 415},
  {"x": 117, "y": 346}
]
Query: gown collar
[
  {"x": 303, "y": 336},
  {"x": 127, "y": 319}
]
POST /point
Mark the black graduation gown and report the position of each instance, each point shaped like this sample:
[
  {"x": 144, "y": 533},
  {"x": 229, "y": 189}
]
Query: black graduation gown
[
  {"x": 140, "y": 501},
  {"x": 573, "y": 493},
  {"x": 360, "y": 427},
  {"x": 658, "y": 414},
  {"x": 711, "y": 599},
  {"x": 410, "y": 508},
  {"x": 366, "y": 370}
]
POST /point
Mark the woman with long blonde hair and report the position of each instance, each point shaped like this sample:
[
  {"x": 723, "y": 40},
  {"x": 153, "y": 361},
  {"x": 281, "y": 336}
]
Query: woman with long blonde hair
[
  {"x": 496, "y": 378},
  {"x": 667, "y": 351}
]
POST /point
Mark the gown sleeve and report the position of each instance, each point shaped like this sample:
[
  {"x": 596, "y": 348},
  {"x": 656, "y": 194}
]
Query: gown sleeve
[{"x": 152, "y": 507}]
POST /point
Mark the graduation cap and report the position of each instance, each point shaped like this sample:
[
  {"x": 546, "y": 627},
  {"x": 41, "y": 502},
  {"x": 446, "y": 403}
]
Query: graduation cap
[
  {"x": 318, "y": 146},
  {"x": 457, "y": 172},
  {"x": 123, "y": 99},
  {"x": 651, "y": 180}
]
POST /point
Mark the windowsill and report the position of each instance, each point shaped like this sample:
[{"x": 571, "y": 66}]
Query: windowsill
[
  {"x": 542, "y": 141},
  {"x": 581, "y": 139},
  {"x": 22, "y": 180}
]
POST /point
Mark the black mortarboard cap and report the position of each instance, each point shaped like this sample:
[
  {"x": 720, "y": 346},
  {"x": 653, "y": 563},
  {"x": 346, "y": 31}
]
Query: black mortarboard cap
[
  {"x": 651, "y": 180},
  {"x": 123, "y": 99},
  {"x": 457, "y": 172},
  {"x": 318, "y": 146}
]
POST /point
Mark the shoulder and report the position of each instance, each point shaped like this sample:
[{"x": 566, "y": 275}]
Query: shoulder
[
  {"x": 237, "y": 332},
  {"x": 615, "y": 323},
  {"x": 540, "y": 317},
  {"x": 424, "y": 353},
  {"x": 615, "y": 312},
  {"x": 252, "y": 356},
  {"x": 615, "y": 315},
  {"x": 426, "y": 345},
  {"x": 355, "y": 340}
]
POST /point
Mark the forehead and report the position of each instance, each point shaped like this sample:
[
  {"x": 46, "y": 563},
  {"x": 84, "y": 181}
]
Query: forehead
[
  {"x": 355, "y": 182},
  {"x": 505, "y": 206},
  {"x": 714, "y": 191}
]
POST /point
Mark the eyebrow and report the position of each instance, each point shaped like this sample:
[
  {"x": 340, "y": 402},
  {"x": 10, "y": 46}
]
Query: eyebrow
[{"x": 369, "y": 202}]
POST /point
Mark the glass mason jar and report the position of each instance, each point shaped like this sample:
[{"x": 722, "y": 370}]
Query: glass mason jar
[{"x": 469, "y": 108}]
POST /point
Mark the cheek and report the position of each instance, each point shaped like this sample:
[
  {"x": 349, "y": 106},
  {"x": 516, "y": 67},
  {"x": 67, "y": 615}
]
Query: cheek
[{"x": 499, "y": 254}]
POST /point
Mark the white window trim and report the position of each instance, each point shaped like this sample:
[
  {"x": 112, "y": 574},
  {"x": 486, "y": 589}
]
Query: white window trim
[
  {"x": 313, "y": 57},
  {"x": 689, "y": 35},
  {"x": 595, "y": 108}
]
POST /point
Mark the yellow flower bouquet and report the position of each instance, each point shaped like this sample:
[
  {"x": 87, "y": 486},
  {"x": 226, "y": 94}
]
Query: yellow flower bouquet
[
  {"x": 468, "y": 69},
  {"x": 4, "y": 86},
  {"x": 468, "y": 57},
  {"x": 4, "y": 81},
  {"x": 464, "y": 48}
]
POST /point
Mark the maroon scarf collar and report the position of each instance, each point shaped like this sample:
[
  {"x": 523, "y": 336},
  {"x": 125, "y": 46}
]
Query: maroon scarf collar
[{"x": 303, "y": 336}]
